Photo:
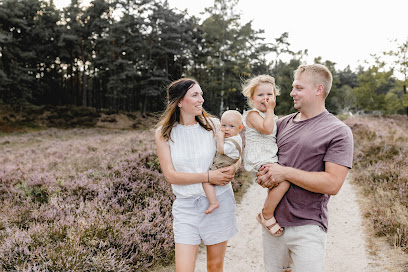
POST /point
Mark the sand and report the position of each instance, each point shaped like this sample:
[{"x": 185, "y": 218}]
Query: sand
[{"x": 346, "y": 246}]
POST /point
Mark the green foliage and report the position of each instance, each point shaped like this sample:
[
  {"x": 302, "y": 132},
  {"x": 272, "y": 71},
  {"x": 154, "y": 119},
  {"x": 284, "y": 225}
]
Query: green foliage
[
  {"x": 405, "y": 102},
  {"x": 370, "y": 93},
  {"x": 225, "y": 57},
  {"x": 37, "y": 192},
  {"x": 283, "y": 74},
  {"x": 120, "y": 55}
]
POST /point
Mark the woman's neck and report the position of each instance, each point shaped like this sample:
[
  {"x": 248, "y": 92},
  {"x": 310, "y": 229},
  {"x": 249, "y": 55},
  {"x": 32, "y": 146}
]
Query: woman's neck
[{"x": 187, "y": 120}]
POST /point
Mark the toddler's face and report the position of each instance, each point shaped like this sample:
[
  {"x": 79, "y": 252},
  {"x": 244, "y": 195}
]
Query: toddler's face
[
  {"x": 230, "y": 125},
  {"x": 261, "y": 92}
]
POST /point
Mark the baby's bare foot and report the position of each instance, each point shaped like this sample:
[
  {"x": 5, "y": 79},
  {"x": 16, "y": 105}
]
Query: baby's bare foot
[{"x": 212, "y": 207}]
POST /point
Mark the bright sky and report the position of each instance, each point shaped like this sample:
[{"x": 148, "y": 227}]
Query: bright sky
[{"x": 345, "y": 32}]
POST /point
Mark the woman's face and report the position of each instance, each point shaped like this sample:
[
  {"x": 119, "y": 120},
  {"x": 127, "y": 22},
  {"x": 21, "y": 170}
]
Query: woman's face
[{"x": 192, "y": 102}]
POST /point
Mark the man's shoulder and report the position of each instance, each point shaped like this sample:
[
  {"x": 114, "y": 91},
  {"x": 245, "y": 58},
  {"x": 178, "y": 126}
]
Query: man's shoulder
[
  {"x": 286, "y": 118},
  {"x": 336, "y": 122}
]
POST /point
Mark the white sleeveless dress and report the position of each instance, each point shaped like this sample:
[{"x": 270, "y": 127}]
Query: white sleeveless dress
[{"x": 259, "y": 148}]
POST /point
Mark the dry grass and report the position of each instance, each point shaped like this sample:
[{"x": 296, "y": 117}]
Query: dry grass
[
  {"x": 29, "y": 118},
  {"x": 380, "y": 171}
]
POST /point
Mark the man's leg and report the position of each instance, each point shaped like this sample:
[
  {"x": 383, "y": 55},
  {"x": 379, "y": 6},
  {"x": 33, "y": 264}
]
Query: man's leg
[
  {"x": 307, "y": 245},
  {"x": 276, "y": 252}
]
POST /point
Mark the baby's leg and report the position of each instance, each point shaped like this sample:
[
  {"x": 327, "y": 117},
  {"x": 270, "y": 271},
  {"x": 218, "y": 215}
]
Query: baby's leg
[
  {"x": 211, "y": 196},
  {"x": 274, "y": 197}
]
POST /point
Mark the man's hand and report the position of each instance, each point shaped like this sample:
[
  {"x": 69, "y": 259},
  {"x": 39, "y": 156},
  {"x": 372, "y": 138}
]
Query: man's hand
[{"x": 270, "y": 175}]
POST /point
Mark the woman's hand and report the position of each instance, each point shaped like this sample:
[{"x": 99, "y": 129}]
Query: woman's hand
[
  {"x": 232, "y": 169},
  {"x": 221, "y": 176}
]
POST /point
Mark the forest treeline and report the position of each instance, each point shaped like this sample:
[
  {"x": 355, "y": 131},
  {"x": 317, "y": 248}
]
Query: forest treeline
[{"x": 121, "y": 54}]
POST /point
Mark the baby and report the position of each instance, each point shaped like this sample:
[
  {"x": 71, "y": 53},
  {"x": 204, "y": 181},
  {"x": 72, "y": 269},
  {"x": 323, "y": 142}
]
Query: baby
[{"x": 229, "y": 148}]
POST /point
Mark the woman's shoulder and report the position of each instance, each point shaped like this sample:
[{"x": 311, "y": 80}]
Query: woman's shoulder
[
  {"x": 214, "y": 119},
  {"x": 214, "y": 122},
  {"x": 159, "y": 137}
]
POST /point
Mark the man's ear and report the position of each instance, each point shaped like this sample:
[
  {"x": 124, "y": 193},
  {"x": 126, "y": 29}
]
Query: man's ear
[{"x": 320, "y": 89}]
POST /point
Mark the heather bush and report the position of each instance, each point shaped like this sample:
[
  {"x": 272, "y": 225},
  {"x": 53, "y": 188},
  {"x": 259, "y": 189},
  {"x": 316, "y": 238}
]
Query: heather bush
[
  {"x": 84, "y": 200},
  {"x": 380, "y": 168}
]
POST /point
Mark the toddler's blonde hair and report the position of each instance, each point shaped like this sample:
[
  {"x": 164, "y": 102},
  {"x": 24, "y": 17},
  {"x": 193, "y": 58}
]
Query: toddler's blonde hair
[{"x": 248, "y": 88}]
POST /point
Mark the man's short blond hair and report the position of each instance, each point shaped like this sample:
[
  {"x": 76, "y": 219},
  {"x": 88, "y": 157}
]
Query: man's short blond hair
[{"x": 319, "y": 73}]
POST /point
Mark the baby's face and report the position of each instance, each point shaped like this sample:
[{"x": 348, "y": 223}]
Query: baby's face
[{"x": 230, "y": 125}]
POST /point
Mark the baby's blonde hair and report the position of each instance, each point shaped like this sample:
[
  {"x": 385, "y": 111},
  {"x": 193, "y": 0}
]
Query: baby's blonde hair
[
  {"x": 248, "y": 88},
  {"x": 234, "y": 114}
]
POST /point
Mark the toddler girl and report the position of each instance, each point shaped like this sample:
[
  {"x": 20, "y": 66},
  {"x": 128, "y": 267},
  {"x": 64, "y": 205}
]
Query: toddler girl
[{"x": 260, "y": 142}]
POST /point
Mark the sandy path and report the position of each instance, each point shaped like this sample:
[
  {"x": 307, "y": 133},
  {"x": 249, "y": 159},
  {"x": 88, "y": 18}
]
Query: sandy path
[{"x": 345, "y": 241}]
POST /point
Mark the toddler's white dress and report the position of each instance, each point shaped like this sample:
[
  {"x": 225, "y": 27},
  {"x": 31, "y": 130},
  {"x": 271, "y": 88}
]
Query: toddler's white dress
[{"x": 259, "y": 148}]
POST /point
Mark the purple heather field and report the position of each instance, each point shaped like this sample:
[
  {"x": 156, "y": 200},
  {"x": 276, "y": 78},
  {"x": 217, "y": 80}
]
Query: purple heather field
[{"x": 83, "y": 200}]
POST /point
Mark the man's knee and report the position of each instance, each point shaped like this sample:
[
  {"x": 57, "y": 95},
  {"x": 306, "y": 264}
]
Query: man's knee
[{"x": 276, "y": 253}]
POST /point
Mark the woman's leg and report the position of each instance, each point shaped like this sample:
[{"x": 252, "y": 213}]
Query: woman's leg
[
  {"x": 185, "y": 257},
  {"x": 215, "y": 257}
]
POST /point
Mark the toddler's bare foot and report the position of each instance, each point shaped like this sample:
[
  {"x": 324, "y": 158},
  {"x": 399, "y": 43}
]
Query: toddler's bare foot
[{"x": 212, "y": 207}]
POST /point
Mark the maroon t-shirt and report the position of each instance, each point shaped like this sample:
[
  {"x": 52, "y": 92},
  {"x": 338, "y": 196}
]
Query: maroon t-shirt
[{"x": 307, "y": 145}]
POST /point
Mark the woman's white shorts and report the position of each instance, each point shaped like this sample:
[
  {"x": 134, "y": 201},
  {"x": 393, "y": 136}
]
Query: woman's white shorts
[{"x": 191, "y": 225}]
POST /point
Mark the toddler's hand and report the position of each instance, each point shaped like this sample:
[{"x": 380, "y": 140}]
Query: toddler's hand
[{"x": 270, "y": 102}]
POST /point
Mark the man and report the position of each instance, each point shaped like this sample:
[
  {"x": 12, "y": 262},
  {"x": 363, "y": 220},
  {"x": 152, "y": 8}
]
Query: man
[{"x": 315, "y": 154}]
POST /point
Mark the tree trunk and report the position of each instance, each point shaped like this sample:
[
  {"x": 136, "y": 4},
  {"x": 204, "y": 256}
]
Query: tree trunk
[
  {"x": 405, "y": 93},
  {"x": 144, "y": 106},
  {"x": 222, "y": 92},
  {"x": 84, "y": 91}
]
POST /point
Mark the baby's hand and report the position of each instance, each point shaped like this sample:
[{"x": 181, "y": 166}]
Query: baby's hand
[
  {"x": 270, "y": 102},
  {"x": 220, "y": 133}
]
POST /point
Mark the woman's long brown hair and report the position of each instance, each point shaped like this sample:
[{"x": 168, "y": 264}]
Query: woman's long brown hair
[{"x": 175, "y": 93}]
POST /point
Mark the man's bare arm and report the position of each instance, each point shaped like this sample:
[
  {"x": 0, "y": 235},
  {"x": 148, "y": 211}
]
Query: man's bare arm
[{"x": 327, "y": 182}]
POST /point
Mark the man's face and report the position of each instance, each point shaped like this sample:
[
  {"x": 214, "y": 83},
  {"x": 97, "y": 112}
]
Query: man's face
[{"x": 304, "y": 91}]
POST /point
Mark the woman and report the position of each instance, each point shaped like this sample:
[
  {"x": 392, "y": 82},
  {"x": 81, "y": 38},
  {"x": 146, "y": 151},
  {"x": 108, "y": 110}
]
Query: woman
[{"x": 185, "y": 142}]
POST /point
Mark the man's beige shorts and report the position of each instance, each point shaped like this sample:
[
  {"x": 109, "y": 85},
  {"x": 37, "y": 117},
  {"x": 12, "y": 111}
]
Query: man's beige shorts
[{"x": 300, "y": 249}]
